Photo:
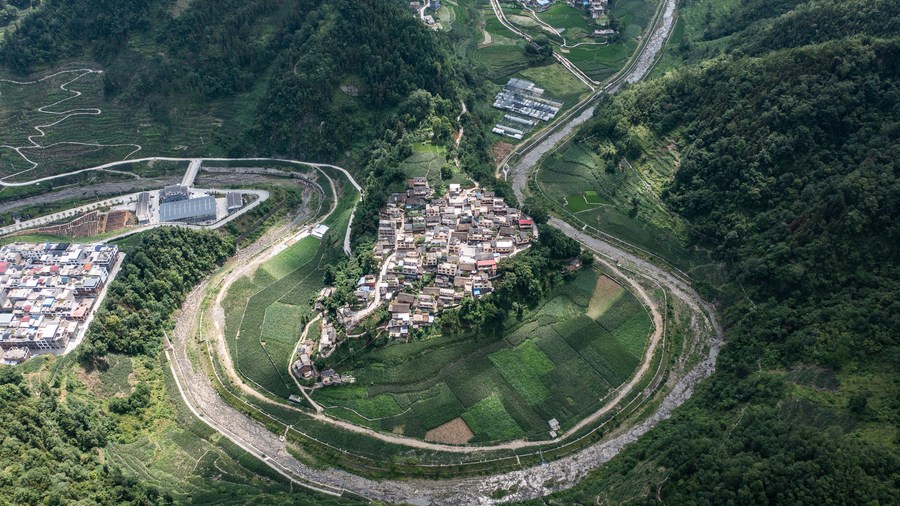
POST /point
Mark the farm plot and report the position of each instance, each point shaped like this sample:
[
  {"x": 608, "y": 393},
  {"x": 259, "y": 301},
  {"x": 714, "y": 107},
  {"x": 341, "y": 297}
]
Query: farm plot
[
  {"x": 619, "y": 199},
  {"x": 606, "y": 292},
  {"x": 194, "y": 464},
  {"x": 523, "y": 367},
  {"x": 426, "y": 161},
  {"x": 557, "y": 81},
  {"x": 568, "y": 20},
  {"x": 264, "y": 312},
  {"x": 453, "y": 432},
  {"x": 601, "y": 61},
  {"x": 490, "y": 420},
  {"x": 556, "y": 362}
]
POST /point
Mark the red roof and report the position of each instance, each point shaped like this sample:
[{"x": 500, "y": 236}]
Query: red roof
[
  {"x": 525, "y": 222},
  {"x": 486, "y": 263},
  {"x": 54, "y": 268},
  {"x": 3, "y": 267}
]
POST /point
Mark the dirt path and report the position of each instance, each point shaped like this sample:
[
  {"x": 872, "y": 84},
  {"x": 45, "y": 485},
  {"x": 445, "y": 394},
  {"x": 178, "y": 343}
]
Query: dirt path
[
  {"x": 527, "y": 483},
  {"x": 290, "y": 370},
  {"x": 577, "y": 72}
]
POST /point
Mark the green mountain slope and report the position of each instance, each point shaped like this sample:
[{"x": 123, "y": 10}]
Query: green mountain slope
[
  {"x": 788, "y": 141},
  {"x": 270, "y": 70}
]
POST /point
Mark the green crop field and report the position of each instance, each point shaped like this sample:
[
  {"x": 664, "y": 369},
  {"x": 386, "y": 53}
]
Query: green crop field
[
  {"x": 558, "y": 82},
  {"x": 554, "y": 362},
  {"x": 600, "y": 61},
  {"x": 609, "y": 191},
  {"x": 263, "y": 314},
  {"x": 490, "y": 421},
  {"x": 568, "y": 20},
  {"x": 286, "y": 262},
  {"x": 523, "y": 367},
  {"x": 264, "y": 310},
  {"x": 427, "y": 160}
]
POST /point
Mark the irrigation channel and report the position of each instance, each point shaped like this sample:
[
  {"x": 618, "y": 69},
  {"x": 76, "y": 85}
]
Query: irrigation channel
[{"x": 665, "y": 382}]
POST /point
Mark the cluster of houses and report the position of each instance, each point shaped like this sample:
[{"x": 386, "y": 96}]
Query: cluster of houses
[
  {"x": 304, "y": 368},
  {"x": 438, "y": 250},
  {"x": 48, "y": 292},
  {"x": 596, "y": 8},
  {"x": 419, "y": 8}
]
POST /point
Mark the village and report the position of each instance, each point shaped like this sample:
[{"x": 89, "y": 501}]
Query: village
[
  {"x": 434, "y": 252},
  {"x": 48, "y": 294}
]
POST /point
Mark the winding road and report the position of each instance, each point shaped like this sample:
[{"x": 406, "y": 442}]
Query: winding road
[
  {"x": 198, "y": 392},
  {"x": 526, "y": 483},
  {"x": 64, "y": 115}
]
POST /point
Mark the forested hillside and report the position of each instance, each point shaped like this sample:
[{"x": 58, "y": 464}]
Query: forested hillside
[{"x": 788, "y": 140}]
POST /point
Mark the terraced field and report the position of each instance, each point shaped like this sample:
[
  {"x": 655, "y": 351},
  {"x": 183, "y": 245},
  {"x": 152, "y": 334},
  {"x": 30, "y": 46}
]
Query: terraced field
[
  {"x": 427, "y": 160},
  {"x": 83, "y": 128},
  {"x": 600, "y": 61},
  {"x": 556, "y": 362},
  {"x": 610, "y": 187},
  {"x": 263, "y": 314},
  {"x": 193, "y": 464}
]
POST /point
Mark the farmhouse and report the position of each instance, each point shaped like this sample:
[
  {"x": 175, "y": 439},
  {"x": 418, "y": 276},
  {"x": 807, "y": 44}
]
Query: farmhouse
[{"x": 304, "y": 367}]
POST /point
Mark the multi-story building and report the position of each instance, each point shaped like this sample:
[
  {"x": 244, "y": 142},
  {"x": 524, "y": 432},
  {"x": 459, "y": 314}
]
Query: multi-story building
[{"x": 48, "y": 291}]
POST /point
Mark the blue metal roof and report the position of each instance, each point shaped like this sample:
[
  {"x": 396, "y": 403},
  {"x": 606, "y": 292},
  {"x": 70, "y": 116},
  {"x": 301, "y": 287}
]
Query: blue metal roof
[{"x": 199, "y": 208}]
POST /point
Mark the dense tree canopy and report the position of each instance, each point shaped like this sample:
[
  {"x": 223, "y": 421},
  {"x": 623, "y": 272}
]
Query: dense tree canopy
[
  {"x": 160, "y": 269},
  {"x": 50, "y": 450},
  {"x": 788, "y": 172}
]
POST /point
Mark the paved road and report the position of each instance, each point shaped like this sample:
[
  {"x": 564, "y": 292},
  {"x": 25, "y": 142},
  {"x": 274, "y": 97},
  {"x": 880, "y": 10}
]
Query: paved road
[
  {"x": 62, "y": 115},
  {"x": 527, "y": 483},
  {"x": 360, "y": 315},
  {"x": 261, "y": 196},
  {"x": 577, "y": 72},
  {"x": 197, "y": 391},
  {"x": 191, "y": 173}
]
